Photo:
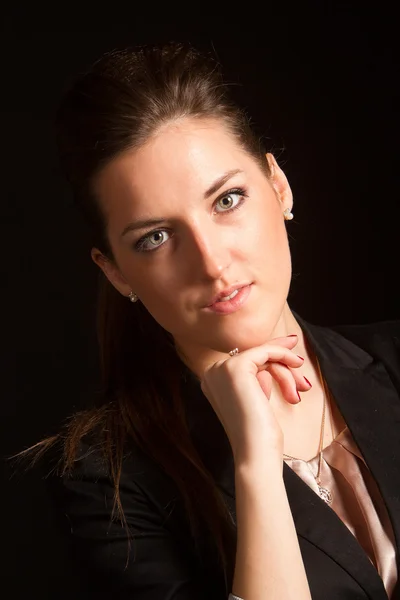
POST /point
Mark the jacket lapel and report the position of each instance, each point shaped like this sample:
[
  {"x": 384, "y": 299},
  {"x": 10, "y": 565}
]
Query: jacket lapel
[{"x": 370, "y": 407}]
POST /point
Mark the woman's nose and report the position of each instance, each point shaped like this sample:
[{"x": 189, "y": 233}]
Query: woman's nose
[{"x": 210, "y": 254}]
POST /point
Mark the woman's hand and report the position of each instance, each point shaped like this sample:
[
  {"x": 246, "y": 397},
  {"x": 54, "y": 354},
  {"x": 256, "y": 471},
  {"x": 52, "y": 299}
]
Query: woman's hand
[{"x": 239, "y": 387}]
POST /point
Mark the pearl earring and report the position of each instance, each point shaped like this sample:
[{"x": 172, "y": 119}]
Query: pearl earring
[
  {"x": 133, "y": 297},
  {"x": 287, "y": 214}
]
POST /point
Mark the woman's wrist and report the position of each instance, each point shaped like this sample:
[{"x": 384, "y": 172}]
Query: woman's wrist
[{"x": 269, "y": 464}]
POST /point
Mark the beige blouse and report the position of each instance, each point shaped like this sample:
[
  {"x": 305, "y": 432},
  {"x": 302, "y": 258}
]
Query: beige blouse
[{"x": 356, "y": 500}]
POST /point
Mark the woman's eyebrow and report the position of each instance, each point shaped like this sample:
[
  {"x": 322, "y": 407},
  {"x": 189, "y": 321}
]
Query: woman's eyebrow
[
  {"x": 142, "y": 224},
  {"x": 214, "y": 187}
]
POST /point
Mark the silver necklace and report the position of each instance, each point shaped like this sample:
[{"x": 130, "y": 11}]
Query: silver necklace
[{"x": 324, "y": 493}]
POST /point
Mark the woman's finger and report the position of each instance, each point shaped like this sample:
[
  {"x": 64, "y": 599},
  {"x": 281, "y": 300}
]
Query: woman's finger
[
  {"x": 289, "y": 380},
  {"x": 283, "y": 376},
  {"x": 302, "y": 384},
  {"x": 288, "y": 341},
  {"x": 273, "y": 354}
]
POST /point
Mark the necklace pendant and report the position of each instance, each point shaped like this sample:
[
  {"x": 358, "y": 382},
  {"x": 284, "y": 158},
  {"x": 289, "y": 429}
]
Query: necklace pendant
[{"x": 325, "y": 494}]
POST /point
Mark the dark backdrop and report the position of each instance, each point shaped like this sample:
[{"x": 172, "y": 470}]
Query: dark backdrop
[{"x": 320, "y": 83}]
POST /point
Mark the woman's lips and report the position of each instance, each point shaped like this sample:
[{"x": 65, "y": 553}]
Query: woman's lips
[{"x": 229, "y": 306}]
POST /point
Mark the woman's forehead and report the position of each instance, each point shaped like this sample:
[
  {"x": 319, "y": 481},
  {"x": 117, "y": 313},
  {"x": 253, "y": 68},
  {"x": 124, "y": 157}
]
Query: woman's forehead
[{"x": 185, "y": 157}]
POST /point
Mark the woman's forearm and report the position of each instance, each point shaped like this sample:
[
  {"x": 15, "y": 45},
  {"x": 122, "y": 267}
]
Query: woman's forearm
[{"x": 269, "y": 565}]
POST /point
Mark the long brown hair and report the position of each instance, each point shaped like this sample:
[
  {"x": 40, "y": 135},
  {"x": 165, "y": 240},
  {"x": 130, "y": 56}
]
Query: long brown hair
[{"x": 117, "y": 105}]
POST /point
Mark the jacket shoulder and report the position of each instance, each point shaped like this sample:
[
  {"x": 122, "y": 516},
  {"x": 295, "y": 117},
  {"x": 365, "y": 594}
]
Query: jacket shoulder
[
  {"x": 371, "y": 335},
  {"x": 381, "y": 340}
]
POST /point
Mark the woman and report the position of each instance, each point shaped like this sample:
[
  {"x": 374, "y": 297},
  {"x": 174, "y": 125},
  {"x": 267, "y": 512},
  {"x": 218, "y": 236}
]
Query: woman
[{"x": 237, "y": 448}]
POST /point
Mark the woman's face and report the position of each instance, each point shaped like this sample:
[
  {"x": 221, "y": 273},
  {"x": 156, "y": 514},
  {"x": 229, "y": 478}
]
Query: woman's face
[{"x": 219, "y": 223}]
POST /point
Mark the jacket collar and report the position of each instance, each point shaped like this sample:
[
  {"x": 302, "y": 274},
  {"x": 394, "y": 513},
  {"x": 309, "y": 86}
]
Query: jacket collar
[{"x": 370, "y": 407}]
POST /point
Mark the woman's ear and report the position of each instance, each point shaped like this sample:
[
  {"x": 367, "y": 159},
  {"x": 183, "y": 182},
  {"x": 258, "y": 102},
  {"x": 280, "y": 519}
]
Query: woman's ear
[
  {"x": 111, "y": 271},
  {"x": 280, "y": 183}
]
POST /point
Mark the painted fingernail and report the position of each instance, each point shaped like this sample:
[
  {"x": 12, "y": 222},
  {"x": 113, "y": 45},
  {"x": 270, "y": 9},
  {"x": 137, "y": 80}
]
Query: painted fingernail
[
  {"x": 298, "y": 395},
  {"x": 300, "y": 357},
  {"x": 307, "y": 381},
  {"x": 292, "y": 335}
]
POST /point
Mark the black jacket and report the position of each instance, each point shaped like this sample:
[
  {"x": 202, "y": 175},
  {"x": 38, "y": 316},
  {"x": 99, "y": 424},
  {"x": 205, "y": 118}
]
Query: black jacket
[{"x": 361, "y": 365}]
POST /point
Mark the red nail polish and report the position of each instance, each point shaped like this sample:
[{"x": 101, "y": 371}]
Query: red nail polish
[
  {"x": 298, "y": 395},
  {"x": 300, "y": 357},
  {"x": 307, "y": 381},
  {"x": 292, "y": 335}
]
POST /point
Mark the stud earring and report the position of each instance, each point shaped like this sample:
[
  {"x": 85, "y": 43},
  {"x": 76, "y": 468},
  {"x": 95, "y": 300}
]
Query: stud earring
[
  {"x": 133, "y": 297},
  {"x": 288, "y": 216}
]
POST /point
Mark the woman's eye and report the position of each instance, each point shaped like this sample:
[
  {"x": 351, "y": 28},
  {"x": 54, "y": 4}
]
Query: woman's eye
[
  {"x": 151, "y": 241},
  {"x": 230, "y": 201}
]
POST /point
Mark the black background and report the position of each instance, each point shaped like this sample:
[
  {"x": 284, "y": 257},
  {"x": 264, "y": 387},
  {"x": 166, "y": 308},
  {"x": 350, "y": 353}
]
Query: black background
[{"x": 320, "y": 82}]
